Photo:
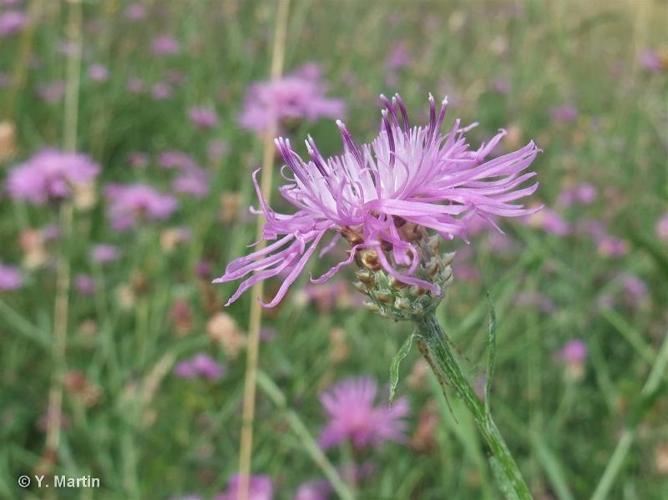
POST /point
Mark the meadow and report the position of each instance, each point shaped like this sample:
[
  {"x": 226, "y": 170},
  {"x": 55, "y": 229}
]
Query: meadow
[{"x": 118, "y": 357}]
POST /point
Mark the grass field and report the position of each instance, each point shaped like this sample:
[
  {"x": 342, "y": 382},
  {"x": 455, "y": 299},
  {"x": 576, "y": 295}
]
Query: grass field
[{"x": 99, "y": 374}]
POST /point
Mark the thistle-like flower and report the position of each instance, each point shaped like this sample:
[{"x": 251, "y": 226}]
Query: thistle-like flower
[{"x": 392, "y": 200}]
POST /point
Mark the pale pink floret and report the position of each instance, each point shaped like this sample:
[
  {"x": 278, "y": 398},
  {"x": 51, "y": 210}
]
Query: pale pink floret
[
  {"x": 413, "y": 174},
  {"x": 354, "y": 418},
  {"x": 129, "y": 204},
  {"x": 50, "y": 175}
]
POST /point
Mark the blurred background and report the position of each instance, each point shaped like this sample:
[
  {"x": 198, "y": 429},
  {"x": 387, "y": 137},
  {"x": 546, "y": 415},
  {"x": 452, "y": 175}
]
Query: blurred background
[{"x": 117, "y": 357}]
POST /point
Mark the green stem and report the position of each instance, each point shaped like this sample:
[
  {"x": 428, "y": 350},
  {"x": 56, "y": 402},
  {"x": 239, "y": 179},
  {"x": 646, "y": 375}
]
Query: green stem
[{"x": 435, "y": 348}]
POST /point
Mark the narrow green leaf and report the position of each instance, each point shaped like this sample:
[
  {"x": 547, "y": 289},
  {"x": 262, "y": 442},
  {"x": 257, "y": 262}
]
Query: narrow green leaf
[
  {"x": 552, "y": 467},
  {"x": 491, "y": 353},
  {"x": 396, "y": 362}
]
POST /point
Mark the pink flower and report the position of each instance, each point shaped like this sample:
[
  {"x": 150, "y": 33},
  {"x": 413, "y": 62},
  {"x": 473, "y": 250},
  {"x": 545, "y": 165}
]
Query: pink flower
[
  {"x": 161, "y": 91},
  {"x": 549, "y": 221},
  {"x": 353, "y": 416},
  {"x": 651, "y": 61},
  {"x": 216, "y": 149},
  {"x": 573, "y": 352},
  {"x": 104, "y": 253},
  {"x": 137, "y": 159},
  {"x": 134, "y": 202},
  {"x": 565, "y": 113},
  {"x": 260, "y": 488},
  {"x": 399, "y": 56},
  {"x": 176, "y": 159},
  {"x": 583, "y": 194},
  {"x": 662, "y": 227},
  {"x": 415, "y": 175},
  {"x": 10, "y": 278},
  {"x": 51, "y": 92},
  {"x": 135, "y": 12},
  {"x": 200, "y": 365},
  {"x": 203, "y": 117},
  {"x": 12, "y": 22},
  {"x": 293, "y": 97},
  {"x": 98, "y": 73},
  {"x": 84, "y": 284},
  {"x": 50, "y": 175},
  {"x": 192, "y": 181},
  {"x": 135, "y": 85},
  {"x": 165, "y": 45},
  {"x": 635, "y": 288},
  {"x": 318, "y": 489}
]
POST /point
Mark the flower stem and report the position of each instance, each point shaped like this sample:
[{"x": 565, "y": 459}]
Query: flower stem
[{"x": 434, "y": 346}]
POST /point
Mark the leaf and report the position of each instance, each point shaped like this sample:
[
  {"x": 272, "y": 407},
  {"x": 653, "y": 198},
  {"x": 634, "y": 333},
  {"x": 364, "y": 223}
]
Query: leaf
[
  {"x": 396, "y": 361},
  {"x": 491, "y": 353},
  {"x": 502, "y": 480}
]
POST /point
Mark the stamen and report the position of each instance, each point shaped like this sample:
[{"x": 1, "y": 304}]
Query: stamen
[
  {"x": 396, "y": 100},
  {"x": 349, "y": 143},
  {"x": 390, "y": 137}
]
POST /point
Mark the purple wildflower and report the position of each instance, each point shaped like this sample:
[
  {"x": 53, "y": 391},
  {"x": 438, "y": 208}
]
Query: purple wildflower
[
  {"x": 399, "y": 57},
  {"x": 549, "y": 221},
  {"x": 407, "y": 174},
  {"x": 137, "y": 159},
  {"x": 200, "y": 365},
  {"x": 662, "y": 227},
  {"x": 176, "y": 159},
  {"x": 259, "y": 488},
  {"x": 192, "y": 181},
  {"x": 161, "y": 91},
  {"x": 12, "y": 22},
  {"x": 135, "y": 12},
  {"x": 98, "y": 73},
  {"x": 203, "y": 117},
  {"x": 165, "y": 45},
  {"x": 216, "y": 149},
  {"x": 104, "y": 253},
  {"x": 51, "y": 92},
  {"x": 135, "y": 85},
  {"x": 293, "y": 97},
  {"x": 564, "y": 114},
  {"x": 317, "y": 489},
  {"x": 353, "y": 416},
  {"x": 583, "y": 194},
  {"x": 635, "y": 288},
  {"x": 84, "y": 284},
  {"x": 651, "y": 61},
  {"x": 573, "y": 352},
  {"x": 133, "y": 202},
  {"x": 50, "y": 175},
  {"x": 10, "y": 278}
]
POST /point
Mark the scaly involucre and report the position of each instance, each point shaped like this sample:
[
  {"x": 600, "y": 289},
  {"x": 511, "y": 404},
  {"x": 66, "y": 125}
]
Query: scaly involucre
[{"x": 405, "y": 175}]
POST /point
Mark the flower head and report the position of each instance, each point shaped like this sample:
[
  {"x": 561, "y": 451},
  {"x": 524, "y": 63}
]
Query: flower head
[
  {"x": 10, "y": 278},
  {"x": 200, "y": 365},
  {"x": 104, "y": 253},
  {"x": 50, "y": 175},
  {"x": 574, "y": 351},
  {"x": 382, "y": 197},
  {"x": 353, "y": 416},
  {"x": 12, "y": 22},
  {"x": 165, "y": 45},
  {"x": 133, "y": 202},
  {"x": 299, "y": 96},
  {"x": 259, "y": 488},
  {"x": 203, "y": 117}
]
